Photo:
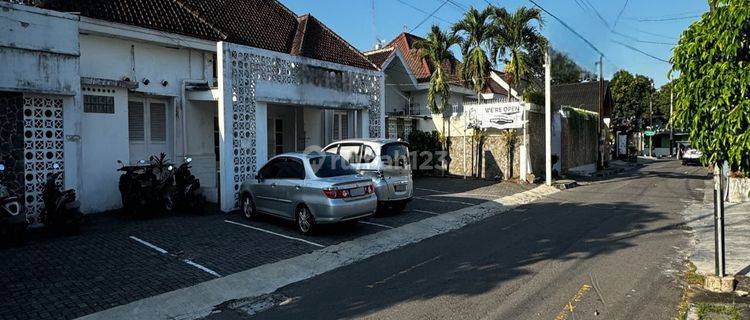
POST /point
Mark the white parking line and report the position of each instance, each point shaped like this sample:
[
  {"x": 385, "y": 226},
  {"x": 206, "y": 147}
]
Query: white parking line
[
  {"x": 148, "y": 244},
  {"x": 274, "y": 233},
  {"x": 162, "y": 251},
  {"x": 207, "y": 270},
  {"x": 432, "y": 190},
  {"x": 425, "y": 211},
  {"x": 376, "y": 224},
  {"x": 445, "y": 201}
]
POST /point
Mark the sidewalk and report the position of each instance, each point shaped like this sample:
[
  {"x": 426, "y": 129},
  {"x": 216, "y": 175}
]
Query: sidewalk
[{"x": 699, "y": 218}]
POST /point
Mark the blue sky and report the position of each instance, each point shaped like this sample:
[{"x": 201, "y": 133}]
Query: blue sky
[{"x": 651, "y": 26}]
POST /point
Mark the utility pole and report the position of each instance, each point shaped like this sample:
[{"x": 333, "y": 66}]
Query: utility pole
[
  {"x": 671, "y": 126},
  {"x": 548, "y": 118},
  {"x": 599, "y": 132},
  {"x": 651, "y": 124}
]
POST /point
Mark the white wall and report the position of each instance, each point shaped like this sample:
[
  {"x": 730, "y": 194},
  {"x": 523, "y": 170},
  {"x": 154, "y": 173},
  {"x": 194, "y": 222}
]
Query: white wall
[
  {"x": 271, "y": 89},
  {"x": 200, "y": 145},
  {"x": 38, "y": 50},
  {"x": 104, "y": 140},
  {"x": 105, "y": 136}
]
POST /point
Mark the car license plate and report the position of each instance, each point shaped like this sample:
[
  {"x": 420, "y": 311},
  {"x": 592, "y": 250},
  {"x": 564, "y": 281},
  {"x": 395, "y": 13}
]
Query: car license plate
[
  {"x": 400, "y": 187},
  {"x": 356, "y": 192}
]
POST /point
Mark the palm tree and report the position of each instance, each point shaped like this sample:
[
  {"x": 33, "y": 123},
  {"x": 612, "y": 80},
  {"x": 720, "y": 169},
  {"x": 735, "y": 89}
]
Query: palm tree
[
  {"x": 518, "y": 43},
  {"x": 479, "y": 34},
  {"x": 436, "y": 50}
]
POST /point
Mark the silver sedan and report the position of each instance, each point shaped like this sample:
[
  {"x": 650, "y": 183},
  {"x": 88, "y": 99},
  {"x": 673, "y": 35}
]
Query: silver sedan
[{"x": 310, "y": 189}]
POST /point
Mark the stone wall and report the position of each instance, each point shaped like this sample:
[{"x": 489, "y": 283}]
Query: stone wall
[
  {"x": 493, "y": 163},
  {"x": 11, "y": 142}
]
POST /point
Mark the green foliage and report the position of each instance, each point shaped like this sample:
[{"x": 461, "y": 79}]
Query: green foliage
[
  {"x": 631, "y": 94},
  {"x": 519, "y": 44},
  {"x": 712, "y": 101},
  {"x": 565, "y": 70},
  {"x": 534, "y": 96},
  {"x": 661, "y": 100},
  {"x": 436, "y": 49},
  {"x": 479, "y": 33},
  {"x": 424, "y": 144}
]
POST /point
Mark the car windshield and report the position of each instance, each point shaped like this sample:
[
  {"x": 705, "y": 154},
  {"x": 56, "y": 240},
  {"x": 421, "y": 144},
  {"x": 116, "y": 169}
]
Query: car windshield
[{"x": 331, "y": 166}]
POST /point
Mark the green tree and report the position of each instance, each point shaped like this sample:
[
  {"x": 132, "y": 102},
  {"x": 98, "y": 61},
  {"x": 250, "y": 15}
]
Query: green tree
[
  {"x": 712, "y": 100},
  {"x": 566, "y": 70},
  {"x": 631, "y": 94},
  {"x": 661, "y": 99},
  {"x": 435, "y": 48},
  {"x": 477, "y": 33},
  {"x": 519, "y": 44}
]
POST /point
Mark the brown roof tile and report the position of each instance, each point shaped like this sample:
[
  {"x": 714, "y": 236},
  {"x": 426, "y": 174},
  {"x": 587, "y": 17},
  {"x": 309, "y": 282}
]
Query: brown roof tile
[
  {"x": 420, "y": 68},
  {"x": 265, "y": 24},
  {"x": 380, "y": 56}
]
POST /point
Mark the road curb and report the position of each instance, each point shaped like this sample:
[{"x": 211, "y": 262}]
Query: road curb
[{"x": 201, "y": 299}]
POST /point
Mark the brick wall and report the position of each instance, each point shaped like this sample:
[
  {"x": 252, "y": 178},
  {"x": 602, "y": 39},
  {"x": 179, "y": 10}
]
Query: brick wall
[
  {"x": 494, "y": 160},
  {"x": 11, "y": 142}
]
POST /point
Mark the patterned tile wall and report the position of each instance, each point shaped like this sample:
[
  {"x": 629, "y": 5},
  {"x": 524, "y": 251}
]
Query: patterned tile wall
[
  {"x": 248, "y": 69},
  {"x": 43, "y": 147}
]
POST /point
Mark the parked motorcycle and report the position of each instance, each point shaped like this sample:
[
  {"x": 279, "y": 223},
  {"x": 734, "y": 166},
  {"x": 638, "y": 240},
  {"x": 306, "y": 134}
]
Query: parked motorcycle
[
  {"x": 187, "y": 189},
  {"x": 146, "y": 187},
  {"x": 61, "y": 209},
  {"x": 13, "y": 220}
]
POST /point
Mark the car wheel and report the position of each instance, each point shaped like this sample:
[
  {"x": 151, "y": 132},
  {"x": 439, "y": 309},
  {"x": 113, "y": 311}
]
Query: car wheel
[
  {"x": 248, "y": 207},
  {"x": 305, "y": 220}
]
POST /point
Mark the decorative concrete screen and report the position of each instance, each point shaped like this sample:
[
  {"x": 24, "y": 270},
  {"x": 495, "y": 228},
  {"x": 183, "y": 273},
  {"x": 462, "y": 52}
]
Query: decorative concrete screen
[
  {"x": 43, "y": 147},
  {"x": 249, "y": 76}
]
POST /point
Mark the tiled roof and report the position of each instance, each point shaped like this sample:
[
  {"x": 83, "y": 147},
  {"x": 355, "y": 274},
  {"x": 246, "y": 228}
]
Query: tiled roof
[
  {"x": 420, "y": 68},
  {"x": 265, "y": 24},
  {"x": 493, "y": 87},
  {"x": 583, "y": 95},
  {"x": 380, "y": 56}
]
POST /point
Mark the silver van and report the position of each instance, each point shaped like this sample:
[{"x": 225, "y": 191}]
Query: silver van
[{"x": 386, "y": 161}]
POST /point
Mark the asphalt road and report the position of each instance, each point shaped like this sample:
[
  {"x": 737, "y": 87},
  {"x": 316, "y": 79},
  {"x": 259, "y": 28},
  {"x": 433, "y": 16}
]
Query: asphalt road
[{"x": 607, "y": 250}]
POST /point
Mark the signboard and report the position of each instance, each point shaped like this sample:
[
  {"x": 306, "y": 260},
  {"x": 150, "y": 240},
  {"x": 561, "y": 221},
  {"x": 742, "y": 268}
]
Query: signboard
[
  {"x": 498, "y": 115},
  {"x": 650, "y": 133}
]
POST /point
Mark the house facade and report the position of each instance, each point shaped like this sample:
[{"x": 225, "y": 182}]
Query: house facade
[{"x": 228, "y": 85}]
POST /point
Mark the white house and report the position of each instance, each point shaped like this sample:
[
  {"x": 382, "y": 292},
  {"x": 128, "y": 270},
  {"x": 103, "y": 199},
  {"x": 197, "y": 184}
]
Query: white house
[
  {"x": 406, "y": 80},
  {"x": 228, "y": 85}
]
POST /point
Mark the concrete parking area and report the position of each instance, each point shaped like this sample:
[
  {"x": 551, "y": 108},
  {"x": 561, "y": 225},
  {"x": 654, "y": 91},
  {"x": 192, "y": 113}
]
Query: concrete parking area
[{"x": 117, "y": 260}]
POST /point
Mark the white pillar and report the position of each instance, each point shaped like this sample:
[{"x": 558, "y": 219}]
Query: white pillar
[
  {"x": 525, "y": 145},
  {"x": 548, "y": 118}
]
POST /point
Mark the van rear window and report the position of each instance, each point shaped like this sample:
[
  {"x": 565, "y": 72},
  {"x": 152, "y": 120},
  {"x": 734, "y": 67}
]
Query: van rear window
[
  {"x": 395, "y": 154},
  {"x": 331, "y": 166}
]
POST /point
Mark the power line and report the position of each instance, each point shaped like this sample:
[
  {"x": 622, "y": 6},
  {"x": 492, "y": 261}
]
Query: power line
[
  {"x": 569, "y": 28},
  {"x": 429, "y": 16},
  {"x": 420, "y": 10},
  {"x": 620, "y": 14},
  {"x": 599, "y": 15},
  {"x": 669, "y": 19},
  {"x": 639, "y": 51}
]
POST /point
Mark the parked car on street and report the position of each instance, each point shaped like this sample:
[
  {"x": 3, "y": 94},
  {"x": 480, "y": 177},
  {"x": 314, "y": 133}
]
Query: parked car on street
[
  {"x": 310, "y": 189},
  {"x": 691, "y": 156},
  {"x": 12, "y": 216},
  {"x": 386, "y": 162}
]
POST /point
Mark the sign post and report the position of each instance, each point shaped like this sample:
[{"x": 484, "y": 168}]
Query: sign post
[{"x": 548, "y": 118}]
